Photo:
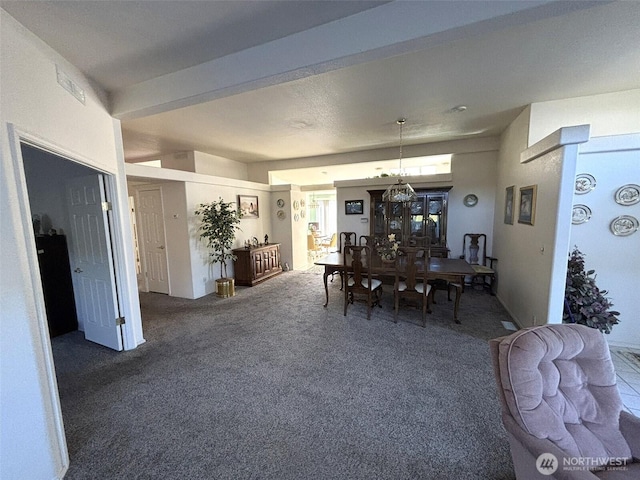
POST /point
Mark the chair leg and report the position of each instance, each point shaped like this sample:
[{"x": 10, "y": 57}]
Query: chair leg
[
  {"x": 425, "y": 302},
  {"x": 396, "y": 302}
]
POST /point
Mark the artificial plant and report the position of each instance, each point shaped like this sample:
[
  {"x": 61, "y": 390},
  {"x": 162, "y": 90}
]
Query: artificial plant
[
  {"x": 584, "y": 302},
  {"x": 218, "y": 226}
]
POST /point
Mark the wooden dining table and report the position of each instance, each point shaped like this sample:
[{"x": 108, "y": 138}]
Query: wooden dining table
[{"x": 449, "y": 269}]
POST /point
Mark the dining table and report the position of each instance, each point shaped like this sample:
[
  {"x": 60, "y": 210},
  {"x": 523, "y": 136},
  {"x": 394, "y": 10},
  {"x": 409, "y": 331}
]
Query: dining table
[{"x": 449, "y": 269}]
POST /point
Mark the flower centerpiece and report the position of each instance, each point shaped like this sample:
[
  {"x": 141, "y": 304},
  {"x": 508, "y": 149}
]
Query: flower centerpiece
[
  {"x": 584, "y": 302},
  {"x": 387, "y": 248}
]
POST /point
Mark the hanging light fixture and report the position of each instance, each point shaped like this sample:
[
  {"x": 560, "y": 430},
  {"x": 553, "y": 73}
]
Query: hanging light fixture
[
  {"x": 401, "y": 191},
  {"x": 314, "y": 204}
]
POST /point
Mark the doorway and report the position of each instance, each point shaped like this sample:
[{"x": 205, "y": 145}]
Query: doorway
[
  {"x": 68, "y": 201},
  {"x": 150, "y": 214}
]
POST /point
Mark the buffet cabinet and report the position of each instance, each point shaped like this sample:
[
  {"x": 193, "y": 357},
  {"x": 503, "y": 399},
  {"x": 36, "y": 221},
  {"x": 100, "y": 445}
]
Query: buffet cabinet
[
  {"x": 426, "y": 217},
  {"x": 256, "y": 264}
]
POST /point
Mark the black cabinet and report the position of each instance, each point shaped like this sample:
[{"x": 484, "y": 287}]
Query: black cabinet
[{"x": 53, "y": 259}]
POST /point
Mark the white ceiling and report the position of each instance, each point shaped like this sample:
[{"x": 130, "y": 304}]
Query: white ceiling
[{"x": 420, "y": 60}]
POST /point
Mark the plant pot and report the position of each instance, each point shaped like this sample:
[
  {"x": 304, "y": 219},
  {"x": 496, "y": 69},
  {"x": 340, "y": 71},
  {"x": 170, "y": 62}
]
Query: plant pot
[{"x": 225, "y": 287}]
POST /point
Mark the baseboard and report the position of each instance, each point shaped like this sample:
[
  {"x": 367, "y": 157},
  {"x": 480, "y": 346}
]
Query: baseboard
[{"x": 630, "y": 346}]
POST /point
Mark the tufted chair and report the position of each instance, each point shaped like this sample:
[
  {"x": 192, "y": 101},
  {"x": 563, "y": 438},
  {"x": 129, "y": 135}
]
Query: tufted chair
[{"x": 559, "y": 396}]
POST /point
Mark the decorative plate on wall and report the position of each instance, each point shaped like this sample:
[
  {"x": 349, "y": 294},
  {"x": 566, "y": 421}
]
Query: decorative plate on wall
[
  {"x": 624, "y": 225},
  {"x": 296, "y": 217},
  {"x": 302, "y": 213},
  {"x": 470, "y": 201},
  {"x": 628, "y": 194},
  {"x": 581, "y": 214},
  {"x": 301, "y": 203},
  {"x": 280, "y": 203},
  {"x": 296, "y": 205},
  {"x": 584, "y": 183},
  {"x": 281, "y": 214}
]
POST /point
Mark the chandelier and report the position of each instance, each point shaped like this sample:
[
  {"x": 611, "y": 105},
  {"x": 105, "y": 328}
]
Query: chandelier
[
  {"x": 314, "y": 204},
  {"x": 401, "y": 191}
]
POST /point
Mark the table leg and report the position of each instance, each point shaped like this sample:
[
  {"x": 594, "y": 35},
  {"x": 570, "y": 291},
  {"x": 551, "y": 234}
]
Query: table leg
[
  {"x": 326, "y": 287},
  {"x": 457, "y": 303}
]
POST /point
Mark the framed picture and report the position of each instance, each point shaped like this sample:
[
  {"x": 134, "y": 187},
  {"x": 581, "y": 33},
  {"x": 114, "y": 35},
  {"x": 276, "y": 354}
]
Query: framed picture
[
  {"x": 508, "y": 205},
  {"x": 527, "y": 212},
  {"x": 248, "y": 205},
  {"x": 354, "y": 207}
]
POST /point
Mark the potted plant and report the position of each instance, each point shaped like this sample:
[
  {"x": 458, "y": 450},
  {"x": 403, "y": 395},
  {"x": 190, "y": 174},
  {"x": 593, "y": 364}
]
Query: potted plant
[
  {"x": 584, "y": 302},
  {"x": 218, "y": 226}
]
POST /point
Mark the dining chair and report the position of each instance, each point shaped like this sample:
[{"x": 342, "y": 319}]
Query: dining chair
[
  {"x": 359, "y": 280},
  {"x": 475, "y": 252},
  {"x": 409, "y": 282},
  {"x": 346, "y": 238},
  {"x": 368, "y": 240}
]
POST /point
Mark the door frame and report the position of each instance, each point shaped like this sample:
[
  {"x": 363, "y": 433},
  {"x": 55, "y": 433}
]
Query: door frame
[{"x": 128, "y": 303}]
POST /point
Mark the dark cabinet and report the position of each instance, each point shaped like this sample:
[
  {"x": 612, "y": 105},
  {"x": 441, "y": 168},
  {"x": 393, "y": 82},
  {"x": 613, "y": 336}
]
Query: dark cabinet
[
  {"x": 256, "y": 264},
  {"x": 412, "y": 222},
  {"x": 57, "y": 286}
]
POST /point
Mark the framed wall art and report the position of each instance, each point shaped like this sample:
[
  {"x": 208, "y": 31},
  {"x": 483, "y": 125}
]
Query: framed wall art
[
  {"x": 508, "y": 205},
  {"x": 527, "y": 210},
  {"x": 354, "y": 207},
  {"x": 248, "y": 205}
]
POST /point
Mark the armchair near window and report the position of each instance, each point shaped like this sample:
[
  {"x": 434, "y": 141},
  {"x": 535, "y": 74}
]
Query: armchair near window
[
  {"x": 557, "y": 387},
  {"x": 312, "y": 246},
  {"x": 330, "y": 244}
]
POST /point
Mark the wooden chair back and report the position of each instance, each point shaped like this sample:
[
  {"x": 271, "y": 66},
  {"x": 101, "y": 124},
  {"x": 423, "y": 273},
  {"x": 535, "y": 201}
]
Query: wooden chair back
[
  {"x": 358, "y": 279},
  {"x": 408, "y": 277},
  {"x": 346, "y": 238}
]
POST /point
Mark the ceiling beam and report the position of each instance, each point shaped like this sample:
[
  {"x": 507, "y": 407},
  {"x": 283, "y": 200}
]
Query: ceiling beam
[{"x": 391, "y": 29}]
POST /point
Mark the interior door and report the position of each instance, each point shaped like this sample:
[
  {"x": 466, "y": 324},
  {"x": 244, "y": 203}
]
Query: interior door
[
  {"x": 153, "y": 237},
  {"x": 91, "y": 261}
]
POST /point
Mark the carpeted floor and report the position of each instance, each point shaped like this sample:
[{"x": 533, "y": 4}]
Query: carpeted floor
[{"x": 271, "y": 385}]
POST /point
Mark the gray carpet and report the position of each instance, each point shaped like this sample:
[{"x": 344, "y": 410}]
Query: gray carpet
[{"x": 271, "y": 385}]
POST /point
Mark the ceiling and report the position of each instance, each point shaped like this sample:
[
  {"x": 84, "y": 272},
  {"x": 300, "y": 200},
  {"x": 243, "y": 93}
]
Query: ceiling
[{"x": 307, "y": 79}]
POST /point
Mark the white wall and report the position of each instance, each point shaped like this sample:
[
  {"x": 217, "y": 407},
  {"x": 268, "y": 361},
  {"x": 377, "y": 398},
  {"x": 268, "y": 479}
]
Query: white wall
[
  {"x": 608, "y": 114},
  {"x": 532, "y": 258},
  {"x": 219, "y": 166},
  {"x": 32, "y": 443},
  {"x": 615, "y": 259},
  {"x": 470, "y": 173},
  {"x": 203, "y": 273}
]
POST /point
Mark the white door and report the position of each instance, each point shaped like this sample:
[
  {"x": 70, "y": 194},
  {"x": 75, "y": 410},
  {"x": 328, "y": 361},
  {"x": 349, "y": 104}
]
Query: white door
[
  {"x": 91, "y": 260},
  {"x": 152, "y": 236}
]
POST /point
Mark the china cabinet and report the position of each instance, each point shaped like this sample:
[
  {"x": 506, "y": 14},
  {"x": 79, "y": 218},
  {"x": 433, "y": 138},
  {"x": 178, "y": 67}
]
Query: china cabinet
[{"x": 413, "y": 221}]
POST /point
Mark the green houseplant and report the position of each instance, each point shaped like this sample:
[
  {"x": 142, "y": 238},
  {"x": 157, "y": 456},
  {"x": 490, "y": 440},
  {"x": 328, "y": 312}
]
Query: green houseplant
[
  {"x": 584, "y": 302},
  {"x": 219, "y": 222}
]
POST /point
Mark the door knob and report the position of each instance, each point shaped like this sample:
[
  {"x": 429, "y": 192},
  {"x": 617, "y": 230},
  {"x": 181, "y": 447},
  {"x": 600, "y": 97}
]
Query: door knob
[{"x": 78, "y": 270}]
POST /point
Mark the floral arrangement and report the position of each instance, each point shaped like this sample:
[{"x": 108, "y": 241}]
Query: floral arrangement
[
  {"x": 584, "y": 302},
  {"x": 387, "y": 248}
]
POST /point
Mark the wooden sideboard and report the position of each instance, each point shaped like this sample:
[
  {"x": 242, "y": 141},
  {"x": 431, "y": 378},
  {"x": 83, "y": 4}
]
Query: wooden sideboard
[{"x": 256, "y": 264}]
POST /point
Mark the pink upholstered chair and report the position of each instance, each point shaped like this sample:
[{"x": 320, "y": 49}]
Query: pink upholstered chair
[{"x": 557, "y": 386}]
